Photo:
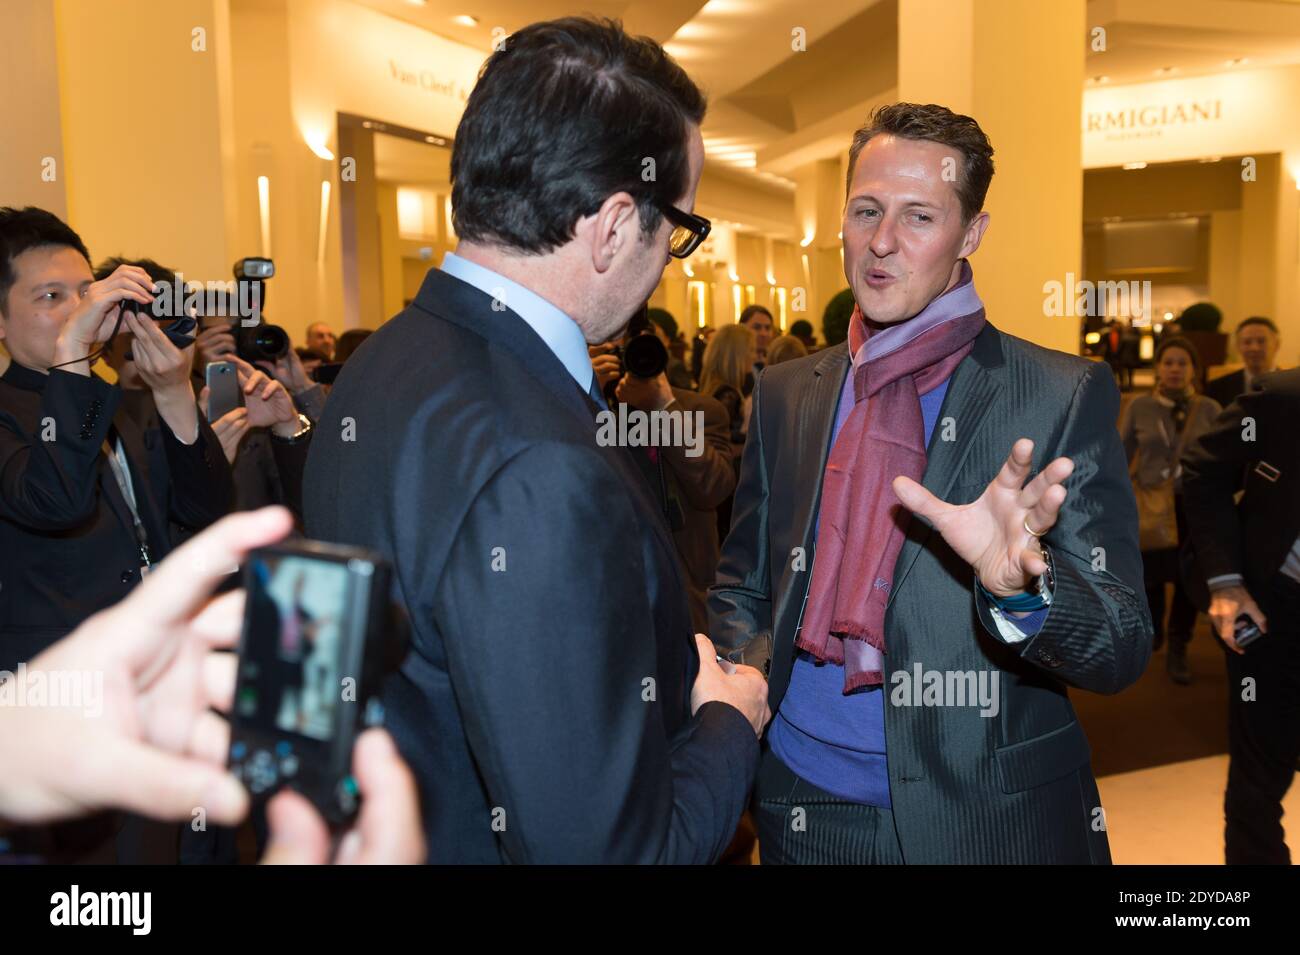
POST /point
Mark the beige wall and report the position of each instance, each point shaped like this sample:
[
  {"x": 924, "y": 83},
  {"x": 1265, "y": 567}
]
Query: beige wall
[
  {"x": 32, "y": 170},
  {"x": 1017, "y": 67}
]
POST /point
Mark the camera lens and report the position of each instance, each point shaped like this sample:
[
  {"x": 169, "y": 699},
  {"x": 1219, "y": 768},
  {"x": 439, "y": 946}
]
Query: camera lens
[
  {"x": 262, "y": 342},
  {"x": 645, "y": 356}
]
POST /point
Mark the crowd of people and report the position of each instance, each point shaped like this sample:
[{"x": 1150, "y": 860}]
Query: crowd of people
[{"x": 553, "y": 706}]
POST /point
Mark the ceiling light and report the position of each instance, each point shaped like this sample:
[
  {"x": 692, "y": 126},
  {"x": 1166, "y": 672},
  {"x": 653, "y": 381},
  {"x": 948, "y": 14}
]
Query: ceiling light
[
  {"x": 465, "y": 20},
  {"x": 1135, "y": 165},
  {"x": 1237, "y": 61}
]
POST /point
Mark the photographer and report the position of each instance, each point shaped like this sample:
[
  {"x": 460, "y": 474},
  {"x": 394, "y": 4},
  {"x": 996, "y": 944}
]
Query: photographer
[
  {"x": 85, "y": 491},
  {"x": 267, "y": 439},
  {"x": 694, "y": 480}
]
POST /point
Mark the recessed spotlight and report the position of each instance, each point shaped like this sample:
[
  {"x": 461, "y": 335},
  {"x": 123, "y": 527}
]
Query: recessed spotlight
[
  {"x": 465, "y": 20},
  {"x": 1135, "y": 165},
  {"x": 1237, "y": 61},
  {"x": 1210, "y": 159},
  {"x": 1166, "y": 70},
  {"x": 1099, "y": 80}
]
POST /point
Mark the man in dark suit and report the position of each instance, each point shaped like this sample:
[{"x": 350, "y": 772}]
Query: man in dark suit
[
  {"x": 553, "y": 705},
  {"x": 88, "y": 488},
  {"x": 1257, "y": 343},
  {"x": 919, "y": 665},
  {"x": 1249, "y": 557}
]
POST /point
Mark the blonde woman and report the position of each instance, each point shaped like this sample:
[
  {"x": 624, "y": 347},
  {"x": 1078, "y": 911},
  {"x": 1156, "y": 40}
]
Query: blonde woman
[
  {"x": 785, "y": 348},
  {"x": 727, "y": 374}
]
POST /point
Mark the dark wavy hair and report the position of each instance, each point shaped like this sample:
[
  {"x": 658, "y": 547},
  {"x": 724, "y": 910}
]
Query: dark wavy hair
[
  {"x": 25, "y": 229},
  {"x": 936, "y": 124},
  {"x": 565, "y": 114}
]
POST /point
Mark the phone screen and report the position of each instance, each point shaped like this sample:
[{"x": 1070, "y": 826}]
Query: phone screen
[{"x": 292, "y": 659}]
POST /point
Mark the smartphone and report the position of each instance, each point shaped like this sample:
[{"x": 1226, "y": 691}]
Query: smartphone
[
  {"x": 1245, "y": 631},
  {"x": 318, "y": 639},
  {"x": 224, "y": 393}
]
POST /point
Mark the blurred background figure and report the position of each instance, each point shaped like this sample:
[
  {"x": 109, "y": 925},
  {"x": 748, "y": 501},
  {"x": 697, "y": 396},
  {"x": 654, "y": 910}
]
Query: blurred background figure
[
  {"x": 320, "y": 338},
  {"x": 784, "y": 348},
  {"x": 803, "y": 331},
  {"x": 759, "y": 321},
  {"x": 349, "y": 342},
  {"x": 1155, "y": 428},
  {"x": 1257, "y": 343},
  {"x": 727, "y": 376}
]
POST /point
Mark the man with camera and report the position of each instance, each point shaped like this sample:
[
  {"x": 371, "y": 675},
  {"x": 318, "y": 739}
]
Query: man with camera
[
  {"x": 1249, "y": 557},
  {"x": 553, "y": 703},
  {"x": 267, "y": 437},
  {"x": 85, "y": 492},
  {"x": 691, "y": 477}
]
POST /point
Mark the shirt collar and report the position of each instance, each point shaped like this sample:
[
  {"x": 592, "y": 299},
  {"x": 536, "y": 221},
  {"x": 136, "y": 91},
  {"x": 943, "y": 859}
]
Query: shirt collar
[
  {"x": 20, "y": 376},
  {"x": 560, "y": 332}
]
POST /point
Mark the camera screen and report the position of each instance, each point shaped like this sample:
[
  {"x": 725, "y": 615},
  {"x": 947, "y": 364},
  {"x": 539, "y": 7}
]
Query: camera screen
[{"x": 291, "y": 660}]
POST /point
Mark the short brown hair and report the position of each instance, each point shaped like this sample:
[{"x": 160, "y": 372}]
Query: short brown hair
[{"x": 936, "y": 124}]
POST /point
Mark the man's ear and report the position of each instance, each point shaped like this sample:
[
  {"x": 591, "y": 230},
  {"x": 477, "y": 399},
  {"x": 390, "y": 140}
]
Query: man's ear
[
  {"x": 614, "y": 225},
  {"x": 974, "y": 234}
]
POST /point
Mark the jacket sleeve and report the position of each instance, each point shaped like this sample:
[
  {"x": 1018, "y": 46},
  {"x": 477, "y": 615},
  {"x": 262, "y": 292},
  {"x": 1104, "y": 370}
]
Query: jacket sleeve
[
  {"x": 740, "y": 600},
  {"x": 552, "y": 650},
  {"x": 1097, "y": 634},
  {"x": 200, "y": 489},
  {"x": 708, "y": 477},
  {"x": 1213, "y": 465},
  {"x": 50, "y": 481}
]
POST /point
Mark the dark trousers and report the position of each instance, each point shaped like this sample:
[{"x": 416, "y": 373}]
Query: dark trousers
[
  {"x": 1263, "y": 731},
  {"x": 1160, "y": 567},
  {"x": 801, "y": 824}
]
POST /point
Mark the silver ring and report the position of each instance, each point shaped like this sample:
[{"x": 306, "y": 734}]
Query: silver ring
[{"x": 1030, "y": 532}]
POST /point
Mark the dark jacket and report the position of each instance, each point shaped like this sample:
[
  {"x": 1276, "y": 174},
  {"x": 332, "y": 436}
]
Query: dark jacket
[
  {"x": 67, "y": 542},
  {"x": 1011, "y": 788},
  {"x": 1254, "y": 436},
  {"x": 545, "y": 703},
  {"x": 699, "y": 485}
]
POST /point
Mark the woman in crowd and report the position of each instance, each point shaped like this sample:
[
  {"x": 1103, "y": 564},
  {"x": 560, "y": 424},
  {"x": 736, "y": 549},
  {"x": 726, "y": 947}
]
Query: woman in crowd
[
  {"x": 727, "y": 375},
  {"x": 1155, "y": 429}
]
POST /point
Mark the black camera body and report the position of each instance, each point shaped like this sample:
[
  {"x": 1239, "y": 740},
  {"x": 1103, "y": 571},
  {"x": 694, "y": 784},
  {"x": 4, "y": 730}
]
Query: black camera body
[
  {"x": 320, "y": 634},
  {"x": 260, "y": 341}
]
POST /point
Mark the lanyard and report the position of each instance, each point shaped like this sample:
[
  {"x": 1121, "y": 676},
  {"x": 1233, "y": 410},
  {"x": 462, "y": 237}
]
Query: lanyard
[{"x": 122, "y": 473}]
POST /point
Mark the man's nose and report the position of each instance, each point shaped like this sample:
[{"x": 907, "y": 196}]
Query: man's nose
[{"x": 884, "y": 239}]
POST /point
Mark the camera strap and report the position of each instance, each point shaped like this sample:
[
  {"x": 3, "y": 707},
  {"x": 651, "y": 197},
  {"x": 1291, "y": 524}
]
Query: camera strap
[{"x": 122, "y": 474}]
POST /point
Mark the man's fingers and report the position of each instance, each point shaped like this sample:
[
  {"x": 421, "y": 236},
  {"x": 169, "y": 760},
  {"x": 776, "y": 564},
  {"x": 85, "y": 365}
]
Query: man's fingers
[
  {"x": 209, "y": 739},
  {"x": 218, "y": 677},
  {"x": 708, "y": 655},
  {"x": 1031, "y": 561},
  {"x": 389, "y": 824},
  {"x": 1016, "y": 467},
  {"x": 181, "y": 584},
  {"x": 299, "y": 835},
  {"x": 1042, "y": 515},
  {"x": 918, "y": 500},
  {"x": 140, "y": 778},
  {"x": 1055, "y": 473}
]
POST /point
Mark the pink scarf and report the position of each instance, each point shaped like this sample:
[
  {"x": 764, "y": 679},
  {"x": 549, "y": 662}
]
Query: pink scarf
[{"x": 861, "y": 523}]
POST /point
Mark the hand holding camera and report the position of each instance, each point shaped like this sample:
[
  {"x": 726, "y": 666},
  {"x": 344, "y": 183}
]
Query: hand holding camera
[
  {"x": 267, "y": 401},
  {"x": 96, "y": 316},
  {"x": 1228, "y": 606}
]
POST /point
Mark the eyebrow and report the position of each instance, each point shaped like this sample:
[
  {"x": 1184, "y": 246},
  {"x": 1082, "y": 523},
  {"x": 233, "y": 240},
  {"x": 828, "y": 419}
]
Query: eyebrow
[{"x": 907, "y": 204}]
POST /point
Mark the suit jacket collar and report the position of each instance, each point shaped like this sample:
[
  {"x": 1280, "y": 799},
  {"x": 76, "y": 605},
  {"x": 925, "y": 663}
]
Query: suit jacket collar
[
  {"x": 460, "y": 303},
  {"x": 972, "y": 392}
]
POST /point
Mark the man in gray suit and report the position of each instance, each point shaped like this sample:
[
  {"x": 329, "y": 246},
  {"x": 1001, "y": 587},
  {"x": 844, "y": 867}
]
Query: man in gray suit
[{"x": 919, "y": 662}]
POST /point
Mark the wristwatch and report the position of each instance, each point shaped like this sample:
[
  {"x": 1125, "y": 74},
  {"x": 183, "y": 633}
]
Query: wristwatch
[{"x": 298, "y": 436}]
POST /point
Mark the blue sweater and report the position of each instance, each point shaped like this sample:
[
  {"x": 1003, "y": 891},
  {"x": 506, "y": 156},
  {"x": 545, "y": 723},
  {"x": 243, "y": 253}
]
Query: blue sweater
[{"x": 833, "y": 740}]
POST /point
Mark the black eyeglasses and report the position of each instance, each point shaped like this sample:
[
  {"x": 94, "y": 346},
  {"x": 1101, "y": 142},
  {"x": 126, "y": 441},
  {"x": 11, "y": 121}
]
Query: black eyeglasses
[{"x": 689, "y": 230}]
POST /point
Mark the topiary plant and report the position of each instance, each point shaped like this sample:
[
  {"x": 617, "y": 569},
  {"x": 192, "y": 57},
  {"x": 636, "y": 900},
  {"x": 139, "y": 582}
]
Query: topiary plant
[{"x": 835, "y": 320}]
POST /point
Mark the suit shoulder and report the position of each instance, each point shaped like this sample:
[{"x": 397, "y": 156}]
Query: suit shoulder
[{"x": 1056, "y": 363}]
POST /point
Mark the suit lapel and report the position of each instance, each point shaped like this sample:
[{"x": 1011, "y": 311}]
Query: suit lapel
[
  {"x": 818, "y": 401},
  {"x": 972, "y": 392}
]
